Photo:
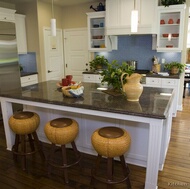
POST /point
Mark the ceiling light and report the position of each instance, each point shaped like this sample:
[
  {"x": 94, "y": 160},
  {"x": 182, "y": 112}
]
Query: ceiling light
[
  {"x": 53, "y": 23},
  {"x": 134, "y": 19}
]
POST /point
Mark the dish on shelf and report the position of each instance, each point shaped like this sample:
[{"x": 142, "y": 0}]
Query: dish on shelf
[
  {"x": 165, "y": 34},
  {"x": 169, "y": 46},
  {"x": 170, "y": 21},
  {"x": 95, "y": 26},
  {"x": 97, "y": 37},
  {"x": 162, "y": 22},
  {"x": 175, "y": 34}
]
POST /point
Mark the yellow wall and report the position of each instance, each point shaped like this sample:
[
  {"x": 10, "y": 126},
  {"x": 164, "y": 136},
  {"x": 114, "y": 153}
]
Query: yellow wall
[{"x": 38, "y": 15}]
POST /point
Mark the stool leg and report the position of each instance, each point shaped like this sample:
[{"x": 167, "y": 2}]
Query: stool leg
[
  {"x": 15, "y": 147},
  {"x": 109, "y": 171},
  {"x": 52, "y": 150},
  {"x": 23, "y": 151},
  {"x": 125, "y": 170},
  {"x": 36, "y": 140},
  {"x": 31, "y": 142},
  {"x": 95, "y": 168},
  {"x": 77, "y": 153},
  {"x": 64, "y": 155}
]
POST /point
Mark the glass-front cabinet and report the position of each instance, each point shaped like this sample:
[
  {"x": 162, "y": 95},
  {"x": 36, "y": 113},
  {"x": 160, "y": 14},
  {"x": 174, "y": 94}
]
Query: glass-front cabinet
[
  {"x": 97, "y": 40},
  {"x": 170, "y": 28}
]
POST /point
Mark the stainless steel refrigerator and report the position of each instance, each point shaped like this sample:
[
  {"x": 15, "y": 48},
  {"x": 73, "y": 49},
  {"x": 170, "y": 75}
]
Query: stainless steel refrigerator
[{"x": 9, "y": 63}]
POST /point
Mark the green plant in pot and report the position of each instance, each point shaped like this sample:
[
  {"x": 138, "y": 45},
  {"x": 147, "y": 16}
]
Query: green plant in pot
[
  {"x": 99, "y": 62},
  {"x": 112, "y": 75},
  {"x": 174, "y": 67},
  {"x": 166, "y": 3}
]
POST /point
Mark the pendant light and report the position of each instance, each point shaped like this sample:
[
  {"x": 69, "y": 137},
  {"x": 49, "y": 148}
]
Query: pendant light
[
  {"x": 134, "y": 19},
  {"x": 53, "y": 23}
]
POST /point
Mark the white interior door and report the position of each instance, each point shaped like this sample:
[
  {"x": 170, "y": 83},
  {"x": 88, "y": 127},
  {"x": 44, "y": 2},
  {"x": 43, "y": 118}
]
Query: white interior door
[
  {"x": 53, "y": 47},
  {"x": 76, "y": 52}
]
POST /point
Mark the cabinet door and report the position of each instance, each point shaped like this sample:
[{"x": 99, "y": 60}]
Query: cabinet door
[
  {"x": 170, "y": 28},
  {"x": 118, "y": 16},
  {"x": 21, "y": 33}
]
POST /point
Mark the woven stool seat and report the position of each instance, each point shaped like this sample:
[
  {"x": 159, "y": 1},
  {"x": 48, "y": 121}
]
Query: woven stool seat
[
  {"x": 62, "y": 131},
  {"x": 111, "y": 142},
  {"x": 24, "y": 124}
]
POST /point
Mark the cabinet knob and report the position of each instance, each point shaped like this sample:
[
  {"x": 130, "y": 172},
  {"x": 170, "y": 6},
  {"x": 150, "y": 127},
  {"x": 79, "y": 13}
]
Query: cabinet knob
[
  {"x": 49, "y": 71},
  {"x": 86, "y": 64},
  {"x": 86, "y": 69}
]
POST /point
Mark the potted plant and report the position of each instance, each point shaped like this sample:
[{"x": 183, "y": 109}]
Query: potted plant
[
  {"x": 112, "y": 75},
  {"x": 175, "y": 67},
  {"x": 98, "y": 63},
  {"x": 166, "y": 3}
]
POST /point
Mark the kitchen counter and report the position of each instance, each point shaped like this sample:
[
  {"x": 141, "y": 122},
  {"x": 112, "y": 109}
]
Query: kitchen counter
[
  {"x": 22, "y": 74},
  {"x": 98, "y": 100},
  {"x": 148, "y": 121}
]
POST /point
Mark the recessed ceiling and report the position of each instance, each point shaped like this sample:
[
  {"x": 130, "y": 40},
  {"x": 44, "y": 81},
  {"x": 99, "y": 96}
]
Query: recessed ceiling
[{"x": 56, "y": 2}]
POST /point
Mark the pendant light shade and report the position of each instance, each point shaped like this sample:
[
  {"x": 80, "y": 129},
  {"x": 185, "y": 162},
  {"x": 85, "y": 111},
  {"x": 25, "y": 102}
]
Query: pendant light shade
[
  {"x": 134, "y": 19},
  {"x": 53, "y": 27},
  {"x": 53, "y": 23}
]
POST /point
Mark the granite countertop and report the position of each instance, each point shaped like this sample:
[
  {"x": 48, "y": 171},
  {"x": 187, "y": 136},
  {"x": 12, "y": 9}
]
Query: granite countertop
[
  {"x": 151, "y": 103},
  {"x": 22, "y": 74}
]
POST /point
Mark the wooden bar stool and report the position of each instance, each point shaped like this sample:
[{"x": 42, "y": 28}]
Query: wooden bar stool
[
  {"x": 111, "y": 142},
  {"x": 24, "y": 124},
  {"x": 62, "y": 131}
]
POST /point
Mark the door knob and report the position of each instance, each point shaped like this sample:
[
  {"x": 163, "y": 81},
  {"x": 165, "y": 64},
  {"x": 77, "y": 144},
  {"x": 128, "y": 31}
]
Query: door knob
[{"x": 49, "y": 71}]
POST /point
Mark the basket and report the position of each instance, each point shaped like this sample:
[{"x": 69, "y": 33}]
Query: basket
[{"x": 65, "y": 91}]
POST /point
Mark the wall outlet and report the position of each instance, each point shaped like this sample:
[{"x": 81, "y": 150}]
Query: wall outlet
[{"x": 163, "y": 60}]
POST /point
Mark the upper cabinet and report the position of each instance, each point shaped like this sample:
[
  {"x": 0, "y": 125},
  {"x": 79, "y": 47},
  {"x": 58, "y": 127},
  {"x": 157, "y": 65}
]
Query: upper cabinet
[
  {"x": 21, "y": 33},
  {"x": 118, "y": 16},
  {"x": 170, "y": 28},
  {"x": 97, "y": 40}
]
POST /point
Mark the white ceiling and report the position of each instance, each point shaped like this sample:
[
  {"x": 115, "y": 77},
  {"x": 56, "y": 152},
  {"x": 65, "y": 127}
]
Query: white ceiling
[{"x": 56, "y": 2}]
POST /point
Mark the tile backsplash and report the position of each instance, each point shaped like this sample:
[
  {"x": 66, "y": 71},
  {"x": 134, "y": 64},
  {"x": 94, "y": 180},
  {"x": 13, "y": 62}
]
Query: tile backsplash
[
  {"x": 28, "y": 62},
  {"x": 139, "y": 48}
]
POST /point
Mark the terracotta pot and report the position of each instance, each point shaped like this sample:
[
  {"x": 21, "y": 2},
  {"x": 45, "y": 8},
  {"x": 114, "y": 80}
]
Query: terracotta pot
[{"x": 174, "y": 71}]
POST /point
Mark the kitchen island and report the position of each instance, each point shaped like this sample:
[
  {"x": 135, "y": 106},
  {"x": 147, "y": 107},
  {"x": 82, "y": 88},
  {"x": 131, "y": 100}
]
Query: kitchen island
[{"x": 148, "y": 121}]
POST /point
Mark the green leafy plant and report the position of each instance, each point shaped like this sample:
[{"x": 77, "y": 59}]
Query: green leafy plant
[
  {"x": 175, "y": 65},
  {"x": 112, "y": 75},
  {"x": 98, "y": 63},
  {"x": 166, "y": 3}
]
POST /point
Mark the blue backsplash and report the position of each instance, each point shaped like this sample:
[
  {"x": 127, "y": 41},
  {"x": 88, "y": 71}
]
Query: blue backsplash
[
  {"x": 139, "y": 48},
  {"x": 28, "y": 62}
]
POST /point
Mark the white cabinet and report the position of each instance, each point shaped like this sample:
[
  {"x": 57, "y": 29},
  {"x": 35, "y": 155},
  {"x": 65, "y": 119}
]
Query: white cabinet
[
  {"x": 166, "y": 83},
  {"x": 29, "y": 80},
  {"x": 92, "y": 78},
  {"x": 170, "y": 28},
  {"x": 118, "y": 16},
  {"x": 7, "y": 15},
  {"x": 97, "y": 40},
  {"x": 21, "y": 33}
]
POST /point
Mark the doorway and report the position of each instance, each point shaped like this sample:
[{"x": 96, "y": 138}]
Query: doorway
[
  {"x": 53, "y": 49},
  {"x": 76, "y": 52}
]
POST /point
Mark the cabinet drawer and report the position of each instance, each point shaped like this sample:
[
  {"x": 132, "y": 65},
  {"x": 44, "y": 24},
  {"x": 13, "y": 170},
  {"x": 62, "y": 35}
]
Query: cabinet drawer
[
  {"x": 153, "y": 81},
  {"x": 88, "y": 77},
  {"x": 169, "y": 82},
  {"x": 29, "y": 80},
  {"x": 7, "y": 17}
]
